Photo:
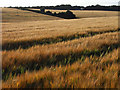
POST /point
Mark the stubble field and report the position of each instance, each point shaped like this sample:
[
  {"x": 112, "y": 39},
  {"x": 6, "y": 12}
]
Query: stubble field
[{"x": 46, "y": 51}]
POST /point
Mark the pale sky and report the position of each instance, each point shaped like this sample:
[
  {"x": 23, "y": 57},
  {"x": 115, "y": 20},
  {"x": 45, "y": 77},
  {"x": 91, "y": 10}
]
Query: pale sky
[{"x": 6, "y": 3}]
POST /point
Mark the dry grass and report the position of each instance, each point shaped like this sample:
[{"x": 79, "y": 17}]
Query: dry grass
[
  {"x": 93, "y": 72},
  {"x": 79, "y": 59}
]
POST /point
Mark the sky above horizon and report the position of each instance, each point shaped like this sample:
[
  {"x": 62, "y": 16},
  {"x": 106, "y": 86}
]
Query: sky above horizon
[{"x": 7, "y": 3}]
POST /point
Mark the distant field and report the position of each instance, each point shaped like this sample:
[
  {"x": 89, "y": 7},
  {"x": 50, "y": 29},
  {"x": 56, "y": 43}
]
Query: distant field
[
  {"x": 46, "y": 51},
  {"x": 88, "y": 13},
  {"x": 16, "y": 15}
]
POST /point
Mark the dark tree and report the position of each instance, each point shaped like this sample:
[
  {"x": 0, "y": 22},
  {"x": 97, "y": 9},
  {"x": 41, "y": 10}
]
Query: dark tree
[
  {"x": 70, "y": 15},
  {"x": 42, "y": 9},
  {"x": 54, "y": 13},
  {"x": 67, "y": 15},
  {"x": 49, "y": 12}
]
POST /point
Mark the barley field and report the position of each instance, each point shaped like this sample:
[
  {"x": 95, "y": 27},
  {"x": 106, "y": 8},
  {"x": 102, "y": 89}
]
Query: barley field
[{"x": 42, "y": 51}]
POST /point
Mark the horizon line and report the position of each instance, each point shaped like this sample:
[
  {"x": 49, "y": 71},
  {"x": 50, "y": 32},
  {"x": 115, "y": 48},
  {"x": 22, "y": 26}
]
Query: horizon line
[{"x": 59, "y": 5}]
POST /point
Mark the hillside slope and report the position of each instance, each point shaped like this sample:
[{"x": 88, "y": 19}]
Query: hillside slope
[{"x": 15, "y": 15}]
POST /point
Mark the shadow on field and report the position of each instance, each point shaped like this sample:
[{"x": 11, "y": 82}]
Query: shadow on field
[
  {"x": 60, "y": 59},
  {"x": 13, "y": 45}
]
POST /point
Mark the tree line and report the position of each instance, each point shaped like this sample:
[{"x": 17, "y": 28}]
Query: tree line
[{"x": 69, "y": 7}]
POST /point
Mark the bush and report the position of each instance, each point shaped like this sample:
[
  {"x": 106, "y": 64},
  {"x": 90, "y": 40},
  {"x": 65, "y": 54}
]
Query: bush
[
  {"x": 67, "y": 15},
  {"x": 49, "y": 12},
  {"x": 55, "y": 14},
  {"x": 70, "y": 14}
]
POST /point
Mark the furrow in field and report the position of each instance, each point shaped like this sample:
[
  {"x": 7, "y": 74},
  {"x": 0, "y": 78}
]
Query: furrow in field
[{"x": 13, "y": 45}]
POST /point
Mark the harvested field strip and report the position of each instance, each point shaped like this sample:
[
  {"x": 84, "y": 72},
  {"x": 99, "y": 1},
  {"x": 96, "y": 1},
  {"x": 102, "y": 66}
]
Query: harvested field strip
[
  {"x": 58, "y": 59},
  {"x": 13, "y": 45},
  {"x": 92, "y": 72}
]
